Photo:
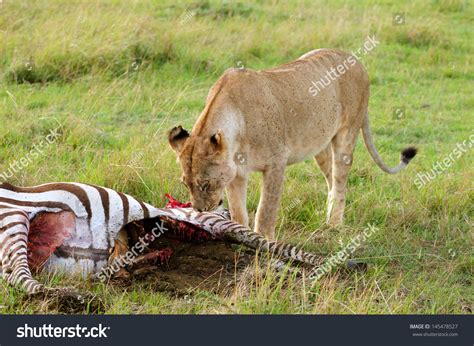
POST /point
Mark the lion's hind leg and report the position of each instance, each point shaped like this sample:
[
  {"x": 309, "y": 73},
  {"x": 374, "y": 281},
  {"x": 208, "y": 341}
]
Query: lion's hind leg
[
  {"x": 343, "y": 145},
  {"x": 324, "y": 161}
]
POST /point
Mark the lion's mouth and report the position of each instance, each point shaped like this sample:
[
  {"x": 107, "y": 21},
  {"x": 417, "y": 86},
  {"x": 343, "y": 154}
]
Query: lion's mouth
[{"x": 210, "y": 207}]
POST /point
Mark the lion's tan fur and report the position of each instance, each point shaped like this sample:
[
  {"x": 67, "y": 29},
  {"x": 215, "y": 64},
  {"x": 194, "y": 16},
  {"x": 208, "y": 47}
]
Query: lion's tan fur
[{"x": 266, "y": 120}]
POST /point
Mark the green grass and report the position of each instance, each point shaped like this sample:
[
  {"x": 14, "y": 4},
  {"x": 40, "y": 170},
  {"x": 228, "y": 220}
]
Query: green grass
[{"x": 118, "y": 75}]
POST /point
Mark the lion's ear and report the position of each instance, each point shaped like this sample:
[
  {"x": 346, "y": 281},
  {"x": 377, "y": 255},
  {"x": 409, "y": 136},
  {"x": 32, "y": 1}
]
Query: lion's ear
[
  {"x": 177, "y": 137},
  {"x": 218, "y": 141}
]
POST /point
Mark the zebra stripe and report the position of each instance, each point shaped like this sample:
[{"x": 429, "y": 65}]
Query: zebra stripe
[
  {"x": 104, "y": 198},
  {"x": 97, "y": 217},
  {"x": 72, "y": 198},
  {"x": 136, "y": 211},
  {"x": 234, "y": 232},
  {"x": 125, "y": 207},
  {"x": 12, "y": 213},
  {"x": 74, "y": 188},
  {"x": 13, "y": 252}
]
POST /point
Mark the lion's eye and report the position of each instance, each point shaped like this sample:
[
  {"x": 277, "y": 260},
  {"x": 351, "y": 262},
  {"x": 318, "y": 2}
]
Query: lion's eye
[{"x": 204, "y": 186}]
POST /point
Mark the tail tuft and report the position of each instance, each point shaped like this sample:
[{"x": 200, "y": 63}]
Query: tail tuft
[{"x": 408, "y": 154}]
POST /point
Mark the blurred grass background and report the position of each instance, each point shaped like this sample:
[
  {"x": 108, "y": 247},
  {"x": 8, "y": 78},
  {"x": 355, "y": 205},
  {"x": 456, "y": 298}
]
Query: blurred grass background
[{"x": 117, "y": 75}]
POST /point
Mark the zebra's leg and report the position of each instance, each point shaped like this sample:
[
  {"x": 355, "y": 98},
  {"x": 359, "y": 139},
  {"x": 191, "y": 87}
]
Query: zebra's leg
[{"x": 13, "y": 251}]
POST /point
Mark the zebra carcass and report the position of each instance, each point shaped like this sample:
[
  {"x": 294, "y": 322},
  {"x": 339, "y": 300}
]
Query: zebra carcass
[{"x": 72, "y": 226}]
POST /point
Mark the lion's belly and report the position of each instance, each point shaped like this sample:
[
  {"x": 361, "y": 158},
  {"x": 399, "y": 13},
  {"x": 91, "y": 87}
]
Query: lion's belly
[{"x": 311, "y": 130}]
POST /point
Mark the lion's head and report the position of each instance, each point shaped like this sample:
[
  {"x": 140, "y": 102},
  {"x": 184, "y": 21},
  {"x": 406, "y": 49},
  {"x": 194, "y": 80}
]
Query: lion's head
[{"x": 206, "y": 164}]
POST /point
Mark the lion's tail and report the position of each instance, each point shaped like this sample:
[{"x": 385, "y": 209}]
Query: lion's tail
[{"x": 405, "y": 157}]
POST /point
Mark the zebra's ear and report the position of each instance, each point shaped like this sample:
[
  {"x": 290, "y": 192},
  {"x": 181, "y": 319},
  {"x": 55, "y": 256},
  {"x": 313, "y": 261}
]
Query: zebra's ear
[{"x": 177, "y": 137}]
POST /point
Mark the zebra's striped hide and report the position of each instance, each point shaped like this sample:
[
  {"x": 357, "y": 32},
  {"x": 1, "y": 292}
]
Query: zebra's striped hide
[{"x": 90, "y": 217}]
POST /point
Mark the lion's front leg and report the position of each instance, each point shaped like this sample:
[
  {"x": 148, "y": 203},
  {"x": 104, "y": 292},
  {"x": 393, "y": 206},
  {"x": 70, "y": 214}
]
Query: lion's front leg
[
  {"x": 267, "y": 212},
  {"x": 237, "y": 196}
]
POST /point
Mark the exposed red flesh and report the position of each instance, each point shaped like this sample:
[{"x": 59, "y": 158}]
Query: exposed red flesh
[
  {"x": 185, "y": 230},
  {"x": 156, "y": 257},
  {"x": 172, "y": 203},
  {"x": 47, "y": 232}
]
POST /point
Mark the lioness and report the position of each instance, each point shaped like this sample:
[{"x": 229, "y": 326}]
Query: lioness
[{"x": 266, "y": 120}]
